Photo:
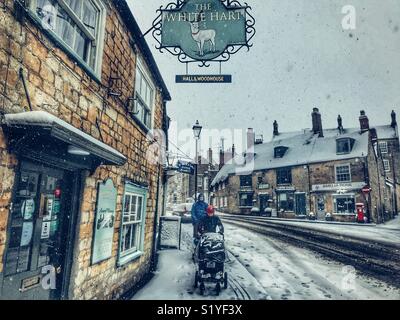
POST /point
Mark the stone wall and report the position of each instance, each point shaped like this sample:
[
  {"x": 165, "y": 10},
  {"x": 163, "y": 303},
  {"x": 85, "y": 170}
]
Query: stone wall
[{"x": 58, "y": 85}]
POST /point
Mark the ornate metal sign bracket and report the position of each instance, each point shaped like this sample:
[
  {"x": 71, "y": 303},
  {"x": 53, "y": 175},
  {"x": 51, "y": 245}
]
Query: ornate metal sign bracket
[{"x": 186, "y": 29}]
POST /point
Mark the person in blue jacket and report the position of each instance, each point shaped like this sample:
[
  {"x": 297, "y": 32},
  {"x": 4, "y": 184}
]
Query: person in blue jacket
[{"x": 198, "y": 213}]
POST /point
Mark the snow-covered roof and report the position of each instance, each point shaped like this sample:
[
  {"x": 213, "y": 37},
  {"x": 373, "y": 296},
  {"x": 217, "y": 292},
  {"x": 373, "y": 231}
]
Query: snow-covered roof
[
  {"x": 45, "y": 119},
  {"x": 304, "y": 147},
  {"x": 386, "y": 132}
]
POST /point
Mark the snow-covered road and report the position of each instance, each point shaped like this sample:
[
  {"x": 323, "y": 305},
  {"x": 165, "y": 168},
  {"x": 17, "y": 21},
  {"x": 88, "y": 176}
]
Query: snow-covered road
[{"x": 263, "y": 268}]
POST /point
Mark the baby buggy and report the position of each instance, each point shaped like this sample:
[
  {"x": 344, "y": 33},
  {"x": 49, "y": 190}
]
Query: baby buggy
[{"x": 210, "y": 262}]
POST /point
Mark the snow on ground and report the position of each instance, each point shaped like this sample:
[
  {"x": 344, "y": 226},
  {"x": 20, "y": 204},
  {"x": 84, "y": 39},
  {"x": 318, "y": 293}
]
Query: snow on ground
[
  {"x": 288, "y": 272},
  {"x": 389, "y": 232},
  {"x": 262, "y": 268},
  {"x": 175, "y": 277}
]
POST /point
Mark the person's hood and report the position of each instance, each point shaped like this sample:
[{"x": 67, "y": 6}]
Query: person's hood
[{"x": 200, "y": 195}]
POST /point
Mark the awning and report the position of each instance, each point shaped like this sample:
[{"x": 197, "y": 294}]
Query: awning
[{"x": 42, "y": 135}]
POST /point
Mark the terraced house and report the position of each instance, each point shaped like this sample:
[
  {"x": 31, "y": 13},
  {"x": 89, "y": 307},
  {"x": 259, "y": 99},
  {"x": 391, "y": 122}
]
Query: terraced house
[
  {"x": 323, "y": 172},
  {"x": 82, "y": 103}
]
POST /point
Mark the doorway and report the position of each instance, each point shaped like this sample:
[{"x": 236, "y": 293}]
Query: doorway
[
  {"x": 264, "y": 202},
  {"x": 300, "y": 204},
  {"x": 37, "y": 232}
]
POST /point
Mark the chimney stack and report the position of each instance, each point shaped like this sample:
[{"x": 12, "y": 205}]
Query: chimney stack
[
  {"x": 221, "y": 159},
  {"x": 210, "y": 156},
  {"x": 364, "y": 121},
  {"x": 276, "y": 128},
  {"x": 394, "y": 121},
  {"x": 317, "y": 123},
  {"x": 251, "y": 137}
]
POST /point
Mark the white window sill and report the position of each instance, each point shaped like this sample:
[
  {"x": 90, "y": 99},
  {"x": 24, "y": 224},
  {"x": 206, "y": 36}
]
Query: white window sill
[{"x": 122, "y": 261}]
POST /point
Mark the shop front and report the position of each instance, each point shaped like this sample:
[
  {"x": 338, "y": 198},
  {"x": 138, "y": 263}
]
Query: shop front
[{"x": 54, "y": 160}]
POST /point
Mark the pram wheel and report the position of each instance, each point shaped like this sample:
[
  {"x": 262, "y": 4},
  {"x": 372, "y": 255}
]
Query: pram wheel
[
  {"x": 202, "y": 288},
  {"x": 218, "y": 289},
  {"x": 196, "y": 279},
  {"x": 225, "y": 280}
]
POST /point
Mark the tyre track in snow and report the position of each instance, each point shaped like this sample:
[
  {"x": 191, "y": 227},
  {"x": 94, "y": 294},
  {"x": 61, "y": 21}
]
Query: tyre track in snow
[{"x": 372, "y": 260}]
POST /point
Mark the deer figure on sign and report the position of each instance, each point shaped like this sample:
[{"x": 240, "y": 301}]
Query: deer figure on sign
[{"x": 202, "y": 36}]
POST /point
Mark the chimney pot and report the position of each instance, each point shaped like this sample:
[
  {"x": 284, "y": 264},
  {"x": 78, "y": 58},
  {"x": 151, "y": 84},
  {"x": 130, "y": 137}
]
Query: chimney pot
[
  {"x": 276, "y": 128},
  {"x": 340, "y": 123},
  {"x": 394, "y": 120}
]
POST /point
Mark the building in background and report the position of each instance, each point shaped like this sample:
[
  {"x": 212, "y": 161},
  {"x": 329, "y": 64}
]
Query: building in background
[
  {"x": 319, "y": 171},
  {"x": 80, "y": 192}
]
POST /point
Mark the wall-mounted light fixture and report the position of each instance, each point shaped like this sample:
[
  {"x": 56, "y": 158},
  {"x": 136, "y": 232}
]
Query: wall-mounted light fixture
[{"x": 131, "y": 105}]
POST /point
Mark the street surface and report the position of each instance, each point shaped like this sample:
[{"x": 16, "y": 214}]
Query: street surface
[{"x": 263, "y": 268}]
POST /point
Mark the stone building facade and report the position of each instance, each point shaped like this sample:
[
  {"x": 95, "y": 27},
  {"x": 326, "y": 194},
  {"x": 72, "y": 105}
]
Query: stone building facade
[
  {"x": 81, "y": 102},
  {"x": 318, "y": 172}
]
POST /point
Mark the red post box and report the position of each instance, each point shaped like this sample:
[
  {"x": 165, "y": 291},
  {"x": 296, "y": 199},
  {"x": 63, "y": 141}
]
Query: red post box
[{"x": 360, "y": 212}]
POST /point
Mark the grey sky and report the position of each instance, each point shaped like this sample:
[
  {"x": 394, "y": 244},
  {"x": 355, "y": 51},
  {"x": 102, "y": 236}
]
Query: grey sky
[{"x": 302, "y": 58}]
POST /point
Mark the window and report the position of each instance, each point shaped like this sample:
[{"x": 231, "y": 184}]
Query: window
[
  {"x": 221, "y": 202},
  {"x": 343, "y": 173},
  {"x": 279, "y": 152},
  {"x": 286, "y": 201},
  {"x": 133, "y": 221},
  {"x": 77, "y": 25},
  {"x": 226, "y": 202},
  {"x": 144, "y": 93},
  {"x": 344, "y": 146},
  {"x": 386, "y": 165},
  {"x": 245, "y": 181},
  {"x": 344, "y": 204},
  {"x": 245, "y": 199},
  {"x": 284, "y": 176},
  {"x": 383, "y": 147}
]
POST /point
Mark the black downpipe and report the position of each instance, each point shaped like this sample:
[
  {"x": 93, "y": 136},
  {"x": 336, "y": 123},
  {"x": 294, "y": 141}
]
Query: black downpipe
[{"x": 154, "y": 260}]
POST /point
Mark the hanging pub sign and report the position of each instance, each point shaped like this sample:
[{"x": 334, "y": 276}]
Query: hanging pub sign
[
  {"x": 203, "y": 31},
  {"x": 186, "y": 167},
  {"x": 104, "y": 222}
]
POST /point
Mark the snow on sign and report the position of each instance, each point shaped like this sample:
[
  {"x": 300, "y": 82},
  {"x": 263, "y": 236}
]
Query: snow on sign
[{"x": 170, "y": 232}]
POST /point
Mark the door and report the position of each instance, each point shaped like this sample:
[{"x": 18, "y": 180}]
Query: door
[
  {"x": 300, "y": 203},
  {"x": 264, "y": 202},
  {"x": 320, "y": 206},
  {"x": 33, "y": 266}
]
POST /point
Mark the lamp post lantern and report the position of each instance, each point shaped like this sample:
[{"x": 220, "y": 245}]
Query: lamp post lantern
[{"x": 196, "y": 132}]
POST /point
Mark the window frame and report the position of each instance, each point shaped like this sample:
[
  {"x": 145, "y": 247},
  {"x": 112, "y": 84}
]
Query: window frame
[
  {"x": 343, "y": 196},
  {"x": 125, "y": 257},
  {"x": 249, "y": 178},
  {"x": 386, "y": 165},
  {"x": 95, "y": 71},
  {"x": 279, "y": 171},
  {"x": 336, "y": 174},
  {"x": 249, "y": 195},
  {"x": 349, "y": 144},
  {"x": 146, "y": 75},
  {"x": 386, "y": 147},
  {"x": 280, "y": 152}
]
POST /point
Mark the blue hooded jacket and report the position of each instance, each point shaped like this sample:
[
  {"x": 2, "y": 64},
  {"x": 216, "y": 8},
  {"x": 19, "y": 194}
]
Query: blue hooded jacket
[{"x": 199, "y": 210}]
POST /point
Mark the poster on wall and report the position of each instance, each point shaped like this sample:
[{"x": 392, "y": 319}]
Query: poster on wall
[{"x": 104, "y": 222}]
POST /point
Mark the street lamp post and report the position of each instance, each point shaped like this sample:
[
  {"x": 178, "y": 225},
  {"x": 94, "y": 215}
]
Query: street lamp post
[{"x": 196, "y": 132}]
